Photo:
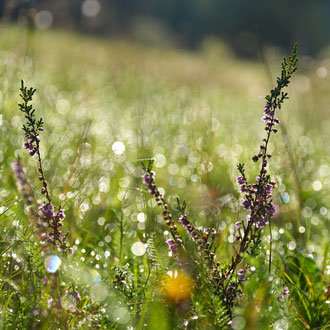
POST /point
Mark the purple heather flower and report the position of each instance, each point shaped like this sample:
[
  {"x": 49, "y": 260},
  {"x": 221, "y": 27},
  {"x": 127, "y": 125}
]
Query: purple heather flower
[
  {"x": 269, "y": 188},
  {"x": 238, "y": 224},
  {"x": 146, "y": 178},
  {"x": 231, "y": 287},
  {"x": 246, "y": 204},
  {"x": 271, "y": 210},
  {"x": 35, "y": 311},
  {"x": 172, "y": 246},
  {"x": 184, "y": 221},
  {"x": 49, "y": 302},
  {"x": 265, "y": 118},
  {"x": 241, "y": 275},
  {"x": 285, "y": 294},
  {"x": 47, "y": 210},
  {"x": 207, "y": 231},
  {"x": 213, "y": 231},
  {"x": 241, "y": 180},
  {"x": 269, "y": 112},
  {"x": 261, "y": 222},
  {"x": 76, "y": 295},
  {"x": 61, "y": 214},
  {"x": 29, "y": 146},
  {"x": 20, "y": 176}
]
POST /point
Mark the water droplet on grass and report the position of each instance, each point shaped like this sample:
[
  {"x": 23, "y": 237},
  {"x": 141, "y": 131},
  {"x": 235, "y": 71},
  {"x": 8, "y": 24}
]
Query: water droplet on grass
[{"x": 291, "y": 245}]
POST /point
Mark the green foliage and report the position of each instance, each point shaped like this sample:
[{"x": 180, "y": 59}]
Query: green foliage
[
  {"x": 309, "y": 291},
  {"x": 181, "y": 207}
]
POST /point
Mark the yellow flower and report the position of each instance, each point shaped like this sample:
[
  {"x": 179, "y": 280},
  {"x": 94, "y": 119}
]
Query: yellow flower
[{"x": 177, "y": 286}]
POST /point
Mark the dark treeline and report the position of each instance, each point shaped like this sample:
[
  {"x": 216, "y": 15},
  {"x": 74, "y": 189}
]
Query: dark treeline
[{"x": 245, "y": 25}]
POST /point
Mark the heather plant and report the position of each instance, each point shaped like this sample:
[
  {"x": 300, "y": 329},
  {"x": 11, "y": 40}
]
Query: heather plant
[
  {"x": 204, "y": 264},
  {"x": 224, "y": 280},
  {"x": 49, "y": 221}
]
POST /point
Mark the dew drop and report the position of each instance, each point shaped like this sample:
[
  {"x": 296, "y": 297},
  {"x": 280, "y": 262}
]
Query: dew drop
[
  {"x": 302, "y": 229},
  {"x": 291, "y": 245}
]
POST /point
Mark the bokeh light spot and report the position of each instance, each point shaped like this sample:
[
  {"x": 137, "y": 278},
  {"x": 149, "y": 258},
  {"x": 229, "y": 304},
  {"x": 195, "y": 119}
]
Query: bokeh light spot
[
  {"x": 52, "y": 263},
  {"x": 120, "y": 315},
  {"x": 138, "y": 249},
  {"x": 141, "y": 217},
  {"x": 238, "y": 323},
  {"x": 91, "y": 8},
  {"x": 118, "y": 147},
  {"x": 101, "y": 221},
  {"x": 160, "y": 160},
  {"x": 98, "y": 292},
  {"x": 177, "y": 286},
  {"x": 62, "y": 106},
  {"x": 95, "y": 276},
  {"x": 285, "y": 197},
  {"x": 322, "y": 72},
  {"x": 68, "y": 302},
  {"x": 43, "y": 19},
  {"x": 317, "y": 185},
  {"x": 291, "y": 245}
]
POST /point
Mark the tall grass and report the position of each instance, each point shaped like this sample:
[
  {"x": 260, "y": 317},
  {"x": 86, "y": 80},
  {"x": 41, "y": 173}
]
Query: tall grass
[{"x": 107, "y": 106}]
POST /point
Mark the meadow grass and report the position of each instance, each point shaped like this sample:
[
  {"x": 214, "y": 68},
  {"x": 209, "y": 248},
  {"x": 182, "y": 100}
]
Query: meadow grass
[{"x": 108, "y": 105}]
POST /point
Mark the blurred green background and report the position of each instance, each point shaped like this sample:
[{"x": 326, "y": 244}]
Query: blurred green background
[{"x": 247, "y": 26}]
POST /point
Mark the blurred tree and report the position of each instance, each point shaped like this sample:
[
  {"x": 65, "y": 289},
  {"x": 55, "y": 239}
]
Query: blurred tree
[{"x": 243, "y": 24}]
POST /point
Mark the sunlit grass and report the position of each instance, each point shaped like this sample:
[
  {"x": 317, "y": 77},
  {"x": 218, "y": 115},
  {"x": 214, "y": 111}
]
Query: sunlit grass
[{"x": 107, "y": 105}]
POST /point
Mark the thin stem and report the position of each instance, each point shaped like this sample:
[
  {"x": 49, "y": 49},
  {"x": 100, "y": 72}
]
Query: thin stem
[
  {"x": 243, "y": 245},
  {"x": 270, "y": 247},
  {"x": 42, "y": 175}
]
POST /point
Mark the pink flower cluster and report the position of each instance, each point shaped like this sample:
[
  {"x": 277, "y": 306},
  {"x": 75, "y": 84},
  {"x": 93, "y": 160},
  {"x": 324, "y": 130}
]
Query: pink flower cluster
[{"x": 258, "y": 200}]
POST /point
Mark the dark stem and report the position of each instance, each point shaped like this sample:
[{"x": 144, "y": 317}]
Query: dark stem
[
  {"x": 41, "y": 171},
  {"x": 270, "y": 247}
]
